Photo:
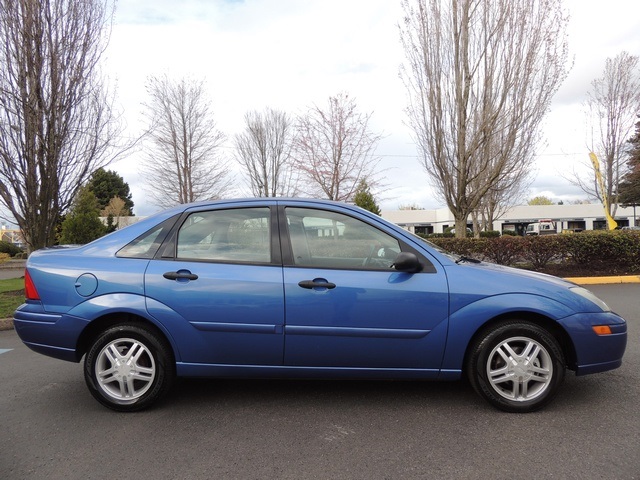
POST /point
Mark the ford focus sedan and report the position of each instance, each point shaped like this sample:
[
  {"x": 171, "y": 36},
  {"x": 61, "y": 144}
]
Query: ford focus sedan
[{"x": 291, "y": 288}]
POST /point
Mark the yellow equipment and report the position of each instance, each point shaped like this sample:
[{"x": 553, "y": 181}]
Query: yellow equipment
[{"x": 611, "y": 223}]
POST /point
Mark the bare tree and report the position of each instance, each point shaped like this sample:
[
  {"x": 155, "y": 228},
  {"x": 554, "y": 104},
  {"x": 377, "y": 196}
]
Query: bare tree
[
  {"x": 264, "y": 150},
  {"x": 612, "y": 104},
  {"x": 410, "y": 206},
  {"x": 116, "y": 208},
  {"x": 507, "y": 191},
  {"x": 183, "y": 163},
  {"x": 498, "y": 200},
  {"x": 480, "y": 76},
  {"x": 57, "y": 124},
  {"x": 335, "y": 149}
]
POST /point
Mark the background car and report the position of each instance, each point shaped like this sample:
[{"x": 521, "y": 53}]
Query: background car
[{"x": 283, "y": 288}]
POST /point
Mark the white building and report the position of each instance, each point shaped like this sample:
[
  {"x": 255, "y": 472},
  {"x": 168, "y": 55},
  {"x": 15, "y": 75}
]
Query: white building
[{"x": 566, "y": 217}]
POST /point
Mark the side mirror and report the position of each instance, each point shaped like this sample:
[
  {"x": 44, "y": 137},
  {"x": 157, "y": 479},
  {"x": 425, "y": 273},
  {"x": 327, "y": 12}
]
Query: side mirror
[{"x": 407, "y": 262}]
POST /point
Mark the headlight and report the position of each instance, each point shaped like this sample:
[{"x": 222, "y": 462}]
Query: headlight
[{"x": 584, "y": 293}]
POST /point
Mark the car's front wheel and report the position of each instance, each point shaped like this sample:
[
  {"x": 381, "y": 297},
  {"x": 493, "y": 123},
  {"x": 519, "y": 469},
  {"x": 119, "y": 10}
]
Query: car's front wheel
[
  {"x": 128, "y": 367},
  {"x": 517, "y": 366}
]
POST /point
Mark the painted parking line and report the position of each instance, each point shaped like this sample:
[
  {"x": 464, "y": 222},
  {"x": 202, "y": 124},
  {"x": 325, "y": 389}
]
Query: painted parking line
[{"x": 4, "y": 350}]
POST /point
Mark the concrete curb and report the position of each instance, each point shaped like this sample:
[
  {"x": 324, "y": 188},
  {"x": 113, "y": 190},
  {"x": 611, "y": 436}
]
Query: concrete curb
[
  {"x": 7, "y": 323},
  {"x": 604, "y": 280}
]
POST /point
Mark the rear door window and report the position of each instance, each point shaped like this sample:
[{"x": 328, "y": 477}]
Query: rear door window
[{"x": 240, "y": 235}]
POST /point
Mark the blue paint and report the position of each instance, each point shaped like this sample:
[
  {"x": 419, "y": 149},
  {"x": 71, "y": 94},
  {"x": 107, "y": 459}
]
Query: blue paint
[{"x": 4, "y": 350}]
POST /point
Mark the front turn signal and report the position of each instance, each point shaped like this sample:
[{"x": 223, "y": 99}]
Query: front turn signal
[{"x": 602, "y": 329}]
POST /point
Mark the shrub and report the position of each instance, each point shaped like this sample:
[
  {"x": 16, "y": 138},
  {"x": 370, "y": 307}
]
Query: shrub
[
  {"x": 467, "y": 247},
  {"x": 438, "y": 235},
  {"x": 503, "y": 250},
  {"x": 616, "y": 252},
  {"x": 540, "y": 250},
  {"x": 629, "y": 249},
  {"x": 10, "y": 248}
]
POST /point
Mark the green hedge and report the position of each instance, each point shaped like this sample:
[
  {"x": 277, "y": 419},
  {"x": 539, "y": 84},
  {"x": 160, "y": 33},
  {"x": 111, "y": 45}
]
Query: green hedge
[
  {"x": 10, "y": 248},
  {"x": 604, "y": 250}
]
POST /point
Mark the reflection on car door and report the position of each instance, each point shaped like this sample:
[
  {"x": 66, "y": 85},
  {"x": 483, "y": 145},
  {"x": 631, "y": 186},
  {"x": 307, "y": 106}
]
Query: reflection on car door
[
  {"x": 346, "y": 307},
  {"x": 219, "y": 273}
]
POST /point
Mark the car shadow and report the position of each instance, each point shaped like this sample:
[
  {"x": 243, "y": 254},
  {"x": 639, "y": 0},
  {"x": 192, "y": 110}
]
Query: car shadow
[
  {"x": 196, "y": 393},
  {"x": 576, "y": 393}
]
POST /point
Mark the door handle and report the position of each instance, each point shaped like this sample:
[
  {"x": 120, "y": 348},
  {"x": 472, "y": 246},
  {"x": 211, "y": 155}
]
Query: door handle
[
  {"x": 316, "y": 284},
  {"x": 182, "y": 274}
]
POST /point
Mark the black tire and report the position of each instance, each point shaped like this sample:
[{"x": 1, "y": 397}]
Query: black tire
[
  {"x": 129, "y": 367},
  {"x": 528, "y": 380}
]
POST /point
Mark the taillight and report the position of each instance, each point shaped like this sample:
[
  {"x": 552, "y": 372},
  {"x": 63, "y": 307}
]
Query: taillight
[{"x": 29, "y": 288}]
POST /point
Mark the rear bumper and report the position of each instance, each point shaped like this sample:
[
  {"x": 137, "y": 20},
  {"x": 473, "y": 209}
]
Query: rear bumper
[{"x": 50, "y": 334}]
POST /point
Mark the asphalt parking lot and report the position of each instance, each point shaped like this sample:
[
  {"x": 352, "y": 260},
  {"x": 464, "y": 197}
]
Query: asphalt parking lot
[
  {"x": 52, "y": 428},
  {"x": 12, "y": 269}
]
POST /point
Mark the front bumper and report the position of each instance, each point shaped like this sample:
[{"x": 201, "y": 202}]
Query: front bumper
[{"x": 596, "y": 353}]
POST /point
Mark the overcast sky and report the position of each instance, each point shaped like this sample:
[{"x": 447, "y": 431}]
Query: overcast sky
[{"x": 289, "y": 54}]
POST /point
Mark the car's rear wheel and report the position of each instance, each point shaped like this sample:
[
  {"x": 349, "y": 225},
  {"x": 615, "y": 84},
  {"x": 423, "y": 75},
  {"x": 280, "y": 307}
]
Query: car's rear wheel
[
  {"x": 517, "y": 366},
  {"x": 128, "y": 367}
]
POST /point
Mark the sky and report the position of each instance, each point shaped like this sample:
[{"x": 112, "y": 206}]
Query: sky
[{"x": 291, "y": 54}]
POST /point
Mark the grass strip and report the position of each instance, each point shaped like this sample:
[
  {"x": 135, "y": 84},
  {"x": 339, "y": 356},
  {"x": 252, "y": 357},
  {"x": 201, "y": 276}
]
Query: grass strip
[{"x": 11, "y": 296}]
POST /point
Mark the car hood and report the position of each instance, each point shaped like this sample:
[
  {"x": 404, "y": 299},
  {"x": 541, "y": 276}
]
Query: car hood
[
  {"x": 470, "y": 282},
  {"x": 521, "y": 274}
]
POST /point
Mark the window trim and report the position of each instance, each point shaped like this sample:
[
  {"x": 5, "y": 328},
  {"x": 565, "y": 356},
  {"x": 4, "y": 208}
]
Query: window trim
[
  {"x": 168, "y": 250},
  {"x": 167, "y": 227},
  {"x": 287, "y": 250}
]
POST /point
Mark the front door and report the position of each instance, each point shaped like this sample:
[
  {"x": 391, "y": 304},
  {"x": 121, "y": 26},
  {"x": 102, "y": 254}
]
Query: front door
[{"x": 345, "y": 305}]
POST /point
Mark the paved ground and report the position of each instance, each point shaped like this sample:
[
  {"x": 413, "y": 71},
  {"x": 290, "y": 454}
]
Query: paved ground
[
  {"x": 6, "y": 273},
  {"x": 12, "y": 269},
  {"x": 53, "y": 429}
]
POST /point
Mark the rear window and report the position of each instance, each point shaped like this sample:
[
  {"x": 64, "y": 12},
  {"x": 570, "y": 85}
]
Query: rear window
[{"x": 147, "y": 244}]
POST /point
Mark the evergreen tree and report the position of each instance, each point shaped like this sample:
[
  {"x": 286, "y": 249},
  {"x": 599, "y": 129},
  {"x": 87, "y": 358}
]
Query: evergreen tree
[
  {"x": 364, "y": 198},
  {"x": 107, "y": 185},
  {"x": 629, "y": 192},
  {"x": 82, "y": 224}
]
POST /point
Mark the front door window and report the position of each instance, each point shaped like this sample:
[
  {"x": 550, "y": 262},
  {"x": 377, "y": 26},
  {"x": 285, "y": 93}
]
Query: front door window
[{"x": 332, "y": 240}]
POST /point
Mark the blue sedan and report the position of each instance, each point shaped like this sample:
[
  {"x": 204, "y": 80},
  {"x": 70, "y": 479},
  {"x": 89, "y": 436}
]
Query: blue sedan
[{"x": 284, "y": 288}]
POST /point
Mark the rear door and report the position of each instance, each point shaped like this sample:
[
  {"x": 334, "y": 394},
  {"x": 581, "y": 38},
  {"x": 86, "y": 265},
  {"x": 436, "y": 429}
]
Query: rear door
[{"x": 221, "y": 273}]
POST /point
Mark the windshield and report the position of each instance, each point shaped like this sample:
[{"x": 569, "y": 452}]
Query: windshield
[{"x": 453, "y": 256}]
